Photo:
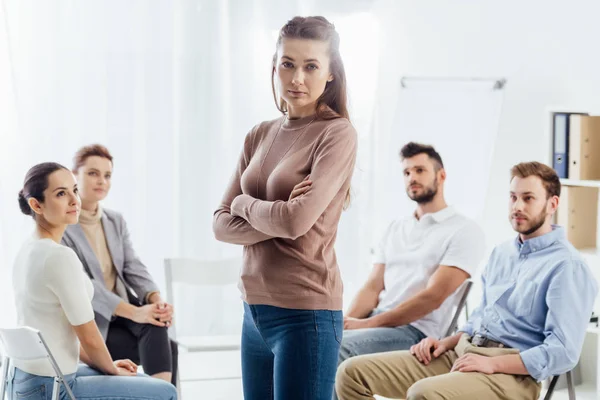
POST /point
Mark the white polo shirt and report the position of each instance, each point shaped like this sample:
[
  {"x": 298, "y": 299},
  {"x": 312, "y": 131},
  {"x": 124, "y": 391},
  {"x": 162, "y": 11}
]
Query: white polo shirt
[{"x": 413, "y": 249}]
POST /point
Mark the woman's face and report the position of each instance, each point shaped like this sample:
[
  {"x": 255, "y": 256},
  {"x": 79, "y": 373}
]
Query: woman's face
[
  {"x": 302, "y": 71},
  {"x": 94, "y": 178},
  {"x": 61, "y": 204}
]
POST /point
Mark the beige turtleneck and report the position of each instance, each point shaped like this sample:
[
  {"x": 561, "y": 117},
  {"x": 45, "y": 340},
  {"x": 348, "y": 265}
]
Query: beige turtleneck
[{"x": 91, "y": 223}]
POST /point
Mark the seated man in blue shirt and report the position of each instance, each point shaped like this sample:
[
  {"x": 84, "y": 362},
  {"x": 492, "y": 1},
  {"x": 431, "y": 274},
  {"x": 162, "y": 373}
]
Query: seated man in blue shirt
[{"x": 538, "y": 295}]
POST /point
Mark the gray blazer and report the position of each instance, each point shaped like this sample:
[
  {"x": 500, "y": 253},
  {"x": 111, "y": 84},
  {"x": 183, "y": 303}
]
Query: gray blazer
[{"x": 130, "y": 269}]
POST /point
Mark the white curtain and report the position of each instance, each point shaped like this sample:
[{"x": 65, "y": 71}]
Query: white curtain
[
  {"x": 8, "y": 133},
  {"x": 224, "y": 73},
  {"x": 171, "y": 88},
  {"x": 95, "y": 72}
]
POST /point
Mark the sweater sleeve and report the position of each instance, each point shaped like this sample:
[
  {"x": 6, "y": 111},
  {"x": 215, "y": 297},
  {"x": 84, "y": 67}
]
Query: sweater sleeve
[
  {"x": 226, "y": 227},
  {"x": 333, "y": 164}
]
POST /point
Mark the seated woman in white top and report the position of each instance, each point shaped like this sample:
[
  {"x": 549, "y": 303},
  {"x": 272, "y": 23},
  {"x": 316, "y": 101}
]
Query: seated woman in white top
[{"x": 53, "y": 295}]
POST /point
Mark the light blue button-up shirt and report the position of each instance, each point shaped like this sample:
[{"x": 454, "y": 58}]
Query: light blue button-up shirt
[{"x": 537, "y": 297}]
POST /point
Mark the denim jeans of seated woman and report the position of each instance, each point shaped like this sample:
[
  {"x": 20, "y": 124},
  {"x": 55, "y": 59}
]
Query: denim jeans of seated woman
[
  {"x": 89, "y": 384},
  {"x": 289, "y": 354}
]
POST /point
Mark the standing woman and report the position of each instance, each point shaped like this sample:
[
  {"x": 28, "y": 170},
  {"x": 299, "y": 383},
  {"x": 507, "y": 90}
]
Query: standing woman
[
  {"x": 283, "y": 204},
  {"x": 53, "y": 295}
]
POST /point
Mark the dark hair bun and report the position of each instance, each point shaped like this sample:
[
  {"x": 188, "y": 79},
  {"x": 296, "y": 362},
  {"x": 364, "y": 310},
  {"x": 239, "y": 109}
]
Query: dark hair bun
[{"x": 23, "y": 204}]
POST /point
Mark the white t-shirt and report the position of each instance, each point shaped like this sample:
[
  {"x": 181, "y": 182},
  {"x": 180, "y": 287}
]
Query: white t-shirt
[
  {"x": 412, "y": 250},
  {"x": 52, "y": 294}
]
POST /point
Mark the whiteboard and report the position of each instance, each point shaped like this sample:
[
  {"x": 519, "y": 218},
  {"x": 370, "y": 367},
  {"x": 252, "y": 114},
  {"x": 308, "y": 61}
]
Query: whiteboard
[{"x": 460, "y": 119}]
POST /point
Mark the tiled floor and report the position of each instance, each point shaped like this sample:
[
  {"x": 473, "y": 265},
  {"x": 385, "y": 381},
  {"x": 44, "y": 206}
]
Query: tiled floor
[
  {"x": 213, "y": 390},
  {"x": 222, "y": 373},
  {"x": 584, "y": 392},
  {"x": 232, "y": 390}
]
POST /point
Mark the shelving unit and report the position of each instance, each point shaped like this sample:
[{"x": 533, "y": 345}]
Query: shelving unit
[
  {"x": 578, "y": 183},
  {"x": 589, "y": 364}
]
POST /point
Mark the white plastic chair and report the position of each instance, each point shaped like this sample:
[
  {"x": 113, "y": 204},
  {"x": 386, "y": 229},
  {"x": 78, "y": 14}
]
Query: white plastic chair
[
  {"x": 570, "y": 387},
  {"x": 202, "y": 273},
  {"x": 463, "y": 295},
  {"x": 28, "y": 344}
]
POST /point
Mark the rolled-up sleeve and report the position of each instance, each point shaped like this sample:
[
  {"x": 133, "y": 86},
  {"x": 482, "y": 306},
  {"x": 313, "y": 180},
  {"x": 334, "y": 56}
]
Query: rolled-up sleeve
[{"x": 570, "y": 298}]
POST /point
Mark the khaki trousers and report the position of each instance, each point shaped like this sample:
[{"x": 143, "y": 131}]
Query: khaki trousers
[{"x": 399, "y": 375}]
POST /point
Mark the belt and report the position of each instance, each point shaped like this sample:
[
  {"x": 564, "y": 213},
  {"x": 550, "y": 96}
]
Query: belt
[{"x": 482, "y": 341}]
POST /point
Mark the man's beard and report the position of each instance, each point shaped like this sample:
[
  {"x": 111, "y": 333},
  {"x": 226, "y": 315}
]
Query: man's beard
[
  {"x": 427, "y": 196},
  {"x": 535, "y": 224}
]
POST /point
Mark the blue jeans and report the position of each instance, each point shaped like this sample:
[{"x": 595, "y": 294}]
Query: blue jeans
[
  {"x": 378, "y": 340},
  {"x": 289, "y": 354},
  {"x": 90, "y": 384}
]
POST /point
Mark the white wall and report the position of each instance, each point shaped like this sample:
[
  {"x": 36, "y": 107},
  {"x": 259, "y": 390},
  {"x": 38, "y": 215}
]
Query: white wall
[
  {"x": 92, "y": 73},
  {"x": 171, "y": 89},
  {"x": 8, "y": 128},
  {"x": 546, "y": 50}
]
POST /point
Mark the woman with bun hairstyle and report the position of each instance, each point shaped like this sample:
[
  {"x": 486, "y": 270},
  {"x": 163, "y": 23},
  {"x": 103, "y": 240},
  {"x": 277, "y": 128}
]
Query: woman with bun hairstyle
[
  {"x": 283, "y": 204},
  {"x": 53, "y": 295}
]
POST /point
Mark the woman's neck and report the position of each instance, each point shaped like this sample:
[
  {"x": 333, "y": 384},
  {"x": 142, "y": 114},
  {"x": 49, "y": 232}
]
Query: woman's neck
[
  {"x": 301, "y": 112},
  {"x": 47, "y": 231},
  {"x": 89, "y": 205}
]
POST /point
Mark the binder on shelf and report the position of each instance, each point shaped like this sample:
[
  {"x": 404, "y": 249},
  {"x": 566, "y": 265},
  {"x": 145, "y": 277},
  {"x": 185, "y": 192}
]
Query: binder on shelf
[
  {"x": 560, "y": 132},
  {"x": 584, "y": 147},
  {"x": 578, "y": 214},
  {"x": 560, "y": 142}
]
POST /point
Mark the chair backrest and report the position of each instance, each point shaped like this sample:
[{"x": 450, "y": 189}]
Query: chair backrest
[
  {"x": 23, "y": 343},
  {"x": 200, "y": 273},
  {"x": 463, "y": 293}
]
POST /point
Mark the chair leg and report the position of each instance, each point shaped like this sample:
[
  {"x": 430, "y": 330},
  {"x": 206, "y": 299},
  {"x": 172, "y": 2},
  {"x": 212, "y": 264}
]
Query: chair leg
[
  {"x": 550, "y": 390},
  {"x": 4, "y": 376},
  {"x": 68, "y": 389},
  {"x": 58, "y": 382},
  {"x": 570, "y": 386},
  {"x": 56, "y": 389},
  {"x": 178, "y": 385}
]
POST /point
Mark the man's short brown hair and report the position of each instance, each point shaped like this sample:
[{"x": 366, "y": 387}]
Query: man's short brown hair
[
  {"x": 89, "y": 151},
  {"x": 548, "y": 176}
]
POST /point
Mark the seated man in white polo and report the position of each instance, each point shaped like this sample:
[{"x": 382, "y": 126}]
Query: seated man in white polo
[{"x": 419, "y": 265}]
